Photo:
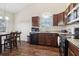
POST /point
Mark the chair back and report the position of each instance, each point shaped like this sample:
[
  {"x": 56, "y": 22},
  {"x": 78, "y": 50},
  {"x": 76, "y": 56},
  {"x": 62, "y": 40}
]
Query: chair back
[{"x": 13, "y": 35}]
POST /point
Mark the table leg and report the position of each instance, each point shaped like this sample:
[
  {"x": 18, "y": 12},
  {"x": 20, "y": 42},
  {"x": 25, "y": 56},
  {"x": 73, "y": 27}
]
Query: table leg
[{"x": 0, "y": 45}]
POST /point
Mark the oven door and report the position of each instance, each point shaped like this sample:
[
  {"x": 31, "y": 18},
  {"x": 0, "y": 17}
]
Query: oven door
[{"x": 63, "y": 48}]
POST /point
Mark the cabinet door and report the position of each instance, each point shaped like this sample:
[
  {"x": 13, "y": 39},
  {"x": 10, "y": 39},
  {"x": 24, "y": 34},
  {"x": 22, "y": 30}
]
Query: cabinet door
[
  {"x": 34, "y": 38},
  {"x": 54, "y": 40},
  {"x": 70, "y": 53},
  {"x": 41, "y": 38},
  {"x": 51, "y": 39},
  {"x": 47, "y": 39},
  {"x": 60, "y": 17},
  {"x": 55, "y": 20},
  {"x": 64, "y": 18},
  {"x": 35, "y": 21},
  {"x": 72, "y": 5},
  {"x": 74, "y": 49}
]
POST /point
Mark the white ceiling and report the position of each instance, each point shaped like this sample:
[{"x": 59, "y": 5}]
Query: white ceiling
[
  {"x": 13, "y": 7},
  {"x": 17, "y": 7}
]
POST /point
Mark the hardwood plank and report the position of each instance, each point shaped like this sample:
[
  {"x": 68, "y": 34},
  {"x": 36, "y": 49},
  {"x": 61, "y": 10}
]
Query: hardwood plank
[{"x": 27, "y": 49}]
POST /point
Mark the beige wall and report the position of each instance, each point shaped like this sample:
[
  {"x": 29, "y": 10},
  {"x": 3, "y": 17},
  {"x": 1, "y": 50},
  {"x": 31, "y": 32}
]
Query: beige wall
[{"x": 23, "y": 18}]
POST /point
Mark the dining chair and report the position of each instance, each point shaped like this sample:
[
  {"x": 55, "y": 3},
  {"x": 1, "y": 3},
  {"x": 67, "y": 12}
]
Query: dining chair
[
  {"x": 19, "y": 36},
  {"x": 11, "y": 41}
]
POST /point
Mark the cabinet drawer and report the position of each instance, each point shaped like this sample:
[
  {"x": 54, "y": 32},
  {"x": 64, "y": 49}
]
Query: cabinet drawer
[
  {"x": 70, "y": 53},
  {"x": 74, "y": 49}
]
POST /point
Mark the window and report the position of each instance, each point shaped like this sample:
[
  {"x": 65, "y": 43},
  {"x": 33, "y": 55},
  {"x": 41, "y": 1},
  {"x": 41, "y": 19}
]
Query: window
[
  {"x": 3, "y": 24},
  {"x": 46, "y": 23}
]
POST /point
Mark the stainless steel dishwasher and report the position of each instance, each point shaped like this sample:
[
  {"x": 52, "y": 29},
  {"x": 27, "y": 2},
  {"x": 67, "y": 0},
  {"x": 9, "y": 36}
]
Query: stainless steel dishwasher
[{"x": 63, "y": 46}]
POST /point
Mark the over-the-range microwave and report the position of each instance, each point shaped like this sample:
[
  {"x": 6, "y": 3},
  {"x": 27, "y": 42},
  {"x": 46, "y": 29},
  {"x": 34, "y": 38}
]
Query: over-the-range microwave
[{"x": 74, "y": 32}]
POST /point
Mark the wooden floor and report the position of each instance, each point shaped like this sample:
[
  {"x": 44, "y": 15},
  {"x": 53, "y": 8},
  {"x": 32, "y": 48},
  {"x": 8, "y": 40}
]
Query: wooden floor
[{"x": 32, "y": 50}]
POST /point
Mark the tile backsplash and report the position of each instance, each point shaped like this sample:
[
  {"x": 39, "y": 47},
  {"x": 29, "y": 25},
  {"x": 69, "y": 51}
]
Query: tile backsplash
[{"x": 70, "y": 28}]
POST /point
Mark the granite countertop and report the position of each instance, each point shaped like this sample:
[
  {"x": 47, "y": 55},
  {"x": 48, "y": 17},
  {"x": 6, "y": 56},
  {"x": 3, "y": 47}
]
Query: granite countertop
[
  {"x": 74, "y": 41},
  {"x": 50, "y": 32},
  {"x": 70, "y": 38}
]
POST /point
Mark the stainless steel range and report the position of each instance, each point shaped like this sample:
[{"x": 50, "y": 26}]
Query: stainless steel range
[{"x": 63, "y": 47}]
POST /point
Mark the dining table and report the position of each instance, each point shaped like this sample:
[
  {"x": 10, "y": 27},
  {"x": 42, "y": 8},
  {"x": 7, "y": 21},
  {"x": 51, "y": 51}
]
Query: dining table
[{"x": 1, "y": 35}]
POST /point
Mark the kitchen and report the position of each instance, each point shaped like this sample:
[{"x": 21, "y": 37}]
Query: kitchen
[
  {"x": 53, "y": 25},
  {"x": 65, "y": 28}
]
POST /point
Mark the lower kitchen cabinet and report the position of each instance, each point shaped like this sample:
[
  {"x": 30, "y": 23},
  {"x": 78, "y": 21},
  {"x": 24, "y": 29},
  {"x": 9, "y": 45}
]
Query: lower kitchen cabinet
[
  {"x": 49, "y": 39},
  {"x": 33, "y": 38},
  {"x": 73, "y": 50},
  {"x": 41, "y": 39},
  {"x": 70, "y": 53}
]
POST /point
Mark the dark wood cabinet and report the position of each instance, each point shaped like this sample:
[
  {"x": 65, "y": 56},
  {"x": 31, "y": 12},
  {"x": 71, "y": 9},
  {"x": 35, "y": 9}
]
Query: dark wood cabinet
[
  {"x": 67, "y": 12},
  {"x": 55, "y": 20},
  {"x": 63, "y": 15},
  {"x": 70, "y": 53},
  {"x": 41, "y": 38},
  {"x": 65, "y": 18},
  {"x": 71, "y": 6},
  {"x": 72, "y": 50},
  {"x": 33, "y": 38},
  {"x": 35, "y": 21},
  {"x": 58, "y": 17},
  {"x": 54, "y": 38},
  {"x": 49, "y": 39}
]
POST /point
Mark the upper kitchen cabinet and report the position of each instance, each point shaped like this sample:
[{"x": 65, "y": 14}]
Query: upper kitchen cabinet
[
  {"x": 72, "y": 13},
  {"x": 67, "y": 10},
  {"x": 65, "y": 19},
  {"x": 70, "y": 7},
  {"x": 58, "y": 19},
  {"x": 55, "y": 20},
  {"x": 61, "y": 18},
  {"x": 35, "y": 21}
]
